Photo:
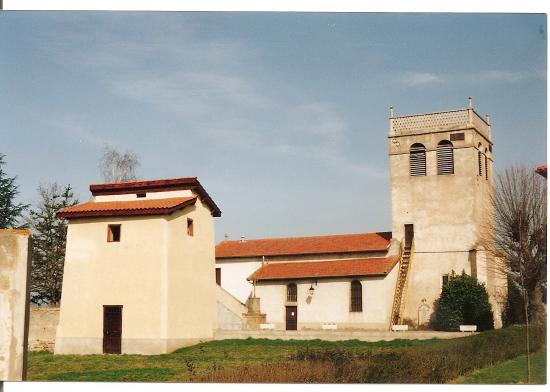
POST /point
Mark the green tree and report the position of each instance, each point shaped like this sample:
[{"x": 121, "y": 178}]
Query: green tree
[
  {"x": 49, "y": 239},
  {"x": 463, "y": 301},
  {"x": 10, "y": 212}
]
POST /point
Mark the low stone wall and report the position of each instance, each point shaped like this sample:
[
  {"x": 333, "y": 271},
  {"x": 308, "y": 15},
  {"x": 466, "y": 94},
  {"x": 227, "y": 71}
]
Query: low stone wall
[
  {"x": 366, "y": 336},
  {"x": 229, "y": 311},
  {"x": 42, "y": 327}
]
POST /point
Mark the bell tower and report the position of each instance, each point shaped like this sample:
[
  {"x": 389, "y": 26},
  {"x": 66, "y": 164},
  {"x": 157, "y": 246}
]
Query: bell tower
[{"x": 441, "y": 181}]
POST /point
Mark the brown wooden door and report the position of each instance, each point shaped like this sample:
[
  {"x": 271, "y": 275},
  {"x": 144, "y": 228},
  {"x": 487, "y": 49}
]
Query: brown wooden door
[
  {"x": 219, "y": 276},
  {"x": 409, "y": 234},
  {"x": 291, "y": 318},
  {"x": 112, "y": 329}
]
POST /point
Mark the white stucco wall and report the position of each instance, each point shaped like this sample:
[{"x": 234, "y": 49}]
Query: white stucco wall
[
  {"x": 100, "y": 273},
  {"x": 330, "y": 302},
  {"x": 234, "y": 274},
  {"x": 148, "y": 195},
  {"x": 190, "y": 296}
]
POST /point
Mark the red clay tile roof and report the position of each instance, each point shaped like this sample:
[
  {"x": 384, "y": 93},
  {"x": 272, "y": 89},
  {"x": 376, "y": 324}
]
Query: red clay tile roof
[
  {"x": 126, "y": 208},
  {"x": 170, "y": 184},
  {"x": 15, "y": 231},
  {"x": 343, "y": 243},
  {"x": 378, "y": 266}
]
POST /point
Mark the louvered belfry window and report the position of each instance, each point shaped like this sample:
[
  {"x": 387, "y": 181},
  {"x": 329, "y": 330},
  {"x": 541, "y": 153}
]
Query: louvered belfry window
[
  {"x": 356, "y": 297},
  {"x": 445, "y": 159},
  {"x": 479, "y": 172},
  {"x": 486, "y": 166},
  {"x": 417, "y": 160}
]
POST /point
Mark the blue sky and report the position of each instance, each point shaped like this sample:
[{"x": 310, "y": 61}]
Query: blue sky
[{"x": 282, "y": 116}]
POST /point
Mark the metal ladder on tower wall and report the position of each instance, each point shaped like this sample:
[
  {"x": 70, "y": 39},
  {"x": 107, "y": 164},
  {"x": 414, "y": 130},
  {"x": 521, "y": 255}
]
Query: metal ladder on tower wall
[{"x": 401, "y": 285}]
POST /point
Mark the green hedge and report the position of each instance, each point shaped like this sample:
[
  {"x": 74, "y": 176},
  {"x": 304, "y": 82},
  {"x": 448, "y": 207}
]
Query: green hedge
[
  {"x": 436, "y": 363},
  {"x": 447, "y": 361}
]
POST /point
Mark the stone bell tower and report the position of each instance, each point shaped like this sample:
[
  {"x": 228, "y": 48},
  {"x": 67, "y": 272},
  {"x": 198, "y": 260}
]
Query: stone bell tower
[{"x": 441, "y": 181}]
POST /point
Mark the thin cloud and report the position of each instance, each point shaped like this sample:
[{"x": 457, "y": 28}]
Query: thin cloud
[
  {"x": 212, "y": 86},
  {"x": 414, "y": 79},
  {"x": 505, "y": 76},
  {"x": 420, "y": 78},
  {"x": 75, "y": 128}
]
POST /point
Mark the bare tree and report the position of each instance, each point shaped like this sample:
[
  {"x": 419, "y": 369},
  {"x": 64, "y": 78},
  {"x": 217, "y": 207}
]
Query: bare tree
[
  {"x": 516, "y": 237},
  {"x": 116, "y": 166},
  {"x": 520, "y": 213}
]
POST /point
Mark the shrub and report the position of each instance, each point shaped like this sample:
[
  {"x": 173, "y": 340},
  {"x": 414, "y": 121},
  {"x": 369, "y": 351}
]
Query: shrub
[
  {"x": 440, "y": 362},
  {"x": 463, "y": 300}
]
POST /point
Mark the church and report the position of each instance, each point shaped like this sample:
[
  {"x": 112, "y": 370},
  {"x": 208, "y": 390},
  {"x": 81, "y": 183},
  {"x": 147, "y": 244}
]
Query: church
[
  {"x": 143, "y": 275},
  {"x": 441, "y": 182}
]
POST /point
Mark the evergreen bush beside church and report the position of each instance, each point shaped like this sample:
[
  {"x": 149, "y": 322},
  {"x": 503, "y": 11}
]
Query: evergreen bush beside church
[{"x": 463, "y": 301}]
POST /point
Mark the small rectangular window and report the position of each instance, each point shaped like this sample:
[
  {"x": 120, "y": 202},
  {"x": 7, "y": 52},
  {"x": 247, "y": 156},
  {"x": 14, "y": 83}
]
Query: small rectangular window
[
  {"x": 140, "y": 195},
  {"x": 444, "y": 280},
  {"x": 291, "y": 292},
  {"x": 189, "y": 226},
  {"x": 457, "y": 136},
  {"x": 113, "y": 233}
]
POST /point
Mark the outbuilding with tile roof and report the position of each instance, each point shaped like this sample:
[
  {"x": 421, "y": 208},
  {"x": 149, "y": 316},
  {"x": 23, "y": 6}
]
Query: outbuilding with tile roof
[{"x": 138, "y": 269}]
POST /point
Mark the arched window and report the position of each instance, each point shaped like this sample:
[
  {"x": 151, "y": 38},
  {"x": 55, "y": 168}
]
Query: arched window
[
  {"x": 356, "y": 296},
  {"x": 417, "y": 160},
  {"x": 291, "y": 293},
  {"x": 479, "y": 168},
  {"x": 486, "y": 166},
  {"x": 445, "y": 159}
]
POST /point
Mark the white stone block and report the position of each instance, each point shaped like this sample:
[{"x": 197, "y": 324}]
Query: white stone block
[
  {"x": 329, "y": 326},
  {"x": 267, "y": 326},
  {"x": 399, "y": 327},
  {"x": 468, "y": 328}
]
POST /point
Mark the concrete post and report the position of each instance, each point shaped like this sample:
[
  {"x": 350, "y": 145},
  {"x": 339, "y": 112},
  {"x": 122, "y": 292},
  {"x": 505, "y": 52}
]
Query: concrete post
[{"x": 15, "y": 262}]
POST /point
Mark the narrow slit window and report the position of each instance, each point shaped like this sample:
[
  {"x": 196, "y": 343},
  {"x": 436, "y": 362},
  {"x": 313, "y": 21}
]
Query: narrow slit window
[
  {"x": 445, "y": 158},
  {"x": 113, "y": 233},
  {"x": 356, "y": 296},
  {"x": 140, "y": 195},
  {"x": 417, "y": 160},
  {"x": 190, "y": 227}
]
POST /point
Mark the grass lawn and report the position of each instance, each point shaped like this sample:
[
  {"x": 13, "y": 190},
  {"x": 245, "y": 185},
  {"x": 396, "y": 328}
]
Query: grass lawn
[
  {"x": 510, "y": 372},
  {"x": 188, "y": 362},
  {"x": 312, "y": 361}
]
